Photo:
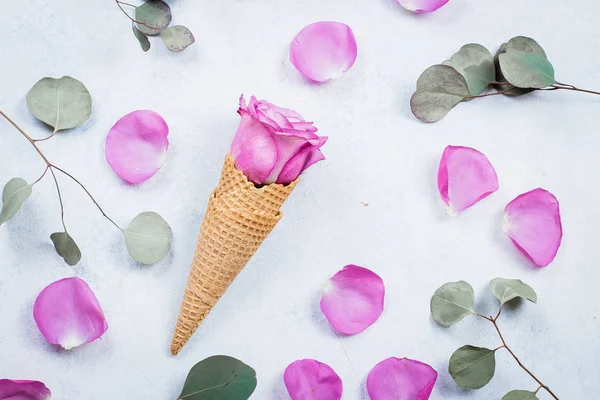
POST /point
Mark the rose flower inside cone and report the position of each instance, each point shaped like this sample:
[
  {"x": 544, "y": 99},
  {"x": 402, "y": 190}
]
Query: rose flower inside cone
[{"x": 271, "y": 148}]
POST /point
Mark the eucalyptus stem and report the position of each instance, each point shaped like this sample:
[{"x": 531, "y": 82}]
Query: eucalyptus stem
[
  {"x": 490, "y": 94},
  {"x": 52, "y": 167},
  {"x": 129, "y": 16},
  {"x": 493, "y": 320},
  {"x": 571, "y": 87}
]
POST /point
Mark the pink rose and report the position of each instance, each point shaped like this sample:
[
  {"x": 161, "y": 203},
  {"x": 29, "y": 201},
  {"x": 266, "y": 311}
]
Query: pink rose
[{"x": 274, "y": 144}]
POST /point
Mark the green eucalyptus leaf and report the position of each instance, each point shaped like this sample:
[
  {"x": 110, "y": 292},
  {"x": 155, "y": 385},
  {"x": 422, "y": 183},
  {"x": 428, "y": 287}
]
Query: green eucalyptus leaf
[
  {"x": 63, "y": 103},
  {"x": 472, "y": 367},
  {"x": 517, "y": 43},
  {"x": 526, "y": 70},
  {"x": 177, "y": 38},
  {"x": 66, "y": 247},
  {"x": 143, "y": 39},
  {"x": 15, "y": 192},
  {"x": 520, "y": 395},
  {"x": 148, "y": 238},
  {"x": 452, "y": 302},
  {"x": 439, "y": 89},
  {"x": 155, "y": 14},
  {"x": 219, "y": 377},
  {"x": 476, "y": 64},
  {"x": 506, "y": 290}
]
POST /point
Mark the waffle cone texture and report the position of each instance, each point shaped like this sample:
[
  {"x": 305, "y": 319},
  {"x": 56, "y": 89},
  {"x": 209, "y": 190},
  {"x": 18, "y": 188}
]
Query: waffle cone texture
[{"x": 239, "y": 217}]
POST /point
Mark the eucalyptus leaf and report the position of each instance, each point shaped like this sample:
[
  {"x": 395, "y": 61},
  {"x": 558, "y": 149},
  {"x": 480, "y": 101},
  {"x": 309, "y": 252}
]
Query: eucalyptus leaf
[
  {"x": 66, "y": 247},
  {"x": 63, "y": 103},
  {"x": 143, "y": 39},
  {"x": 439, "y": 89},
  {"x": 520, "y": 395},
  {"x": 177, "y": 38},
  {"x": 219, "y": 377},
  {"x": 506, "y": 290},
  {"x": 148, "y": 238},
  {"x": 526, "y": 70},
  {"x": 472, "y": 367},
  {"x": 522, "y": 43},
  {"x": 476, "y": 64},
  {"x": 15, "y": 192},
  {"x": 155, "y": 14},
  {"x": 452, "y": 302}
]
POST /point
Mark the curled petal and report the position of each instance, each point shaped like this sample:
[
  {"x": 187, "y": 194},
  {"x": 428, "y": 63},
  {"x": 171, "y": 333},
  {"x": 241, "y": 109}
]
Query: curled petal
[
  {"x": 353, "y": 299},
  {"x": 532, "y": 221},
  {"x": 137, "y": 145},
  {"x": 323, "y": 50},
  {"x": 422, "y": 6},
  {"x": 254, "y": 149},
  {"x": 312, "y": 380},
  {"x": 401, "y": 379},
  {"x": 68, "y": 314},
  {"x": 23, "y": 390},
  {"x": 465, "y": 176}
]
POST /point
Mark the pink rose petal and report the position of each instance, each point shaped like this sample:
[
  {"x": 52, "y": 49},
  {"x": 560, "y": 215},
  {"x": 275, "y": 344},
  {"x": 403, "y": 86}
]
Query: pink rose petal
[
  {"x": 68, "y": 314},
  {"x": 401, "y": 379},
  {"x": 532, "y": 221},
  {"x": 353, "y": 299},
  {"x": 422, "y": 6},
  {"x": 312, "y": 380},
  {"x": 324, "y": 50},
  {"x": 465, "y": 176},
  {"x": 23, "y": 390},
  {"x": 137, "y": 145}
]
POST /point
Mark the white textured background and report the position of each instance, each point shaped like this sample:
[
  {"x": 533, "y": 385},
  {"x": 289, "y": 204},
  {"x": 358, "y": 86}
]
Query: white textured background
[{"x": 378, "y": 153}]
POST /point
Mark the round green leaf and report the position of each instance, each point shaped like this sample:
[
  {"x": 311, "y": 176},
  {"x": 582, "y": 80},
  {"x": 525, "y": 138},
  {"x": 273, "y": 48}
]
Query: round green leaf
[
  {"x": 63, "y": 103},
  {"x": 439, "y": 89},
  {"x": 219, "y": 377},
  {"x": 452, "y": 302},
  {"x": 66, "y": 247},
  {"x": 472, "y": 367},
  {"x": 156, "y": 14},
  {"x": 517, "y": 43},
  {"x": 14, "y": 195},
  {"x": 520, "y": 395},
  {"x": 177, "y": 38},
  {"x": 476, "y": 64},
  {"x": 506, "y": 290},
  {"x": 526, "y": 70},
  {"x": 148, "y": 238},
  {"x": 143, "y": 39}
]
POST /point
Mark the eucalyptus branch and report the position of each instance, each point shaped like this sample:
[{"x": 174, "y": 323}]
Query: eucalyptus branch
[
  {"x": 571, "y": 87},
  {"x": 52, "y": 167},
  {"x": 474, "y": 367},
  {"x": 494, "y": 320}
]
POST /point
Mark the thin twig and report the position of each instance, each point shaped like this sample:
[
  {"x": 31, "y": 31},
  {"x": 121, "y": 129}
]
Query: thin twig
[
  {"x": 62, "y": 207},
  {"x": 519, "y": 362},
  {"x": 571, "y": 87},
  {"x": 88, "y": 193},
  {"x": 43, "y": 174},
  {"x": 490, "y": 94},
  {"x": 133, "y": 19}
]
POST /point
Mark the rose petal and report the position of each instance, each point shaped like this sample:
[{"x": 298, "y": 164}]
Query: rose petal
[
  {"x": 312, "y": 380},
  {"x": 253, "y": 149},
  {"x": 532, "y": 221},
  {"x": 23, "y": 390},
  {"x": 68, "y": 314},
  {"x": 401, "y": 379},
  {"x": 465, "y": 176},
  {"x": 422, "y": 6},
  {"x": 324, "y": 50},
  {"x": 137, "y": 145},
  {"x": 353, "y": 299}
]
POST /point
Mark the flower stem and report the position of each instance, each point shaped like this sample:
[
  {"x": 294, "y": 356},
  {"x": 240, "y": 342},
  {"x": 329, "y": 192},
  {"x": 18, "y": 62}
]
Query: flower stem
[
  {"x": 52, "y": 167},
  {"x": 493, "y": 320}
]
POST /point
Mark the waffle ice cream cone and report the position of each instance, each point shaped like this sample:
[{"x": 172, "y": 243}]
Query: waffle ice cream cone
[{"x": 239, "y": 217}]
